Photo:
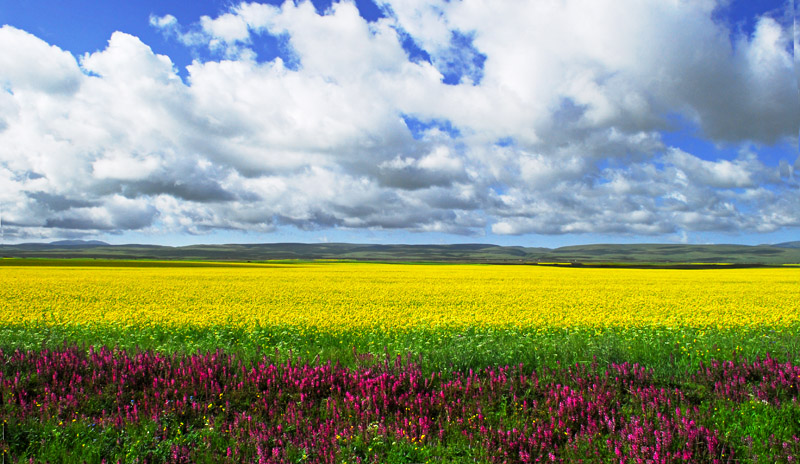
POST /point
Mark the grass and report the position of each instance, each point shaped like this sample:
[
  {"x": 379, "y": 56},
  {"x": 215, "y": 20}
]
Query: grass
[
  {"x": 755, "y": 427},
  {"x": 662, "y": 349}
]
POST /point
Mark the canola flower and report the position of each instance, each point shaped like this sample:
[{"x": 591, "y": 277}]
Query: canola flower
[
  {"x": 335, "y": 297},
  {"x": 222, "y": 407}
]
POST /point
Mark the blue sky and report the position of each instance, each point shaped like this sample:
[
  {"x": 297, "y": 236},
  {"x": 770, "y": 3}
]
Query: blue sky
[{"x": 529, "y": 123}]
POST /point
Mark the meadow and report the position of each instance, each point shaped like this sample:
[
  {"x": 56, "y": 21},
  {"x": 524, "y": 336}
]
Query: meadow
[{"x": 356, "y": 362}]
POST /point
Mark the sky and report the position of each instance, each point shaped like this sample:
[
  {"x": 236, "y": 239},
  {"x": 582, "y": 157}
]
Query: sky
[{"x": 532, "y": 123}]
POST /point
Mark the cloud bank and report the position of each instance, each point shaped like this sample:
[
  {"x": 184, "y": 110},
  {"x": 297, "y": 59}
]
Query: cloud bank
[{"x": 465, "y": 117}]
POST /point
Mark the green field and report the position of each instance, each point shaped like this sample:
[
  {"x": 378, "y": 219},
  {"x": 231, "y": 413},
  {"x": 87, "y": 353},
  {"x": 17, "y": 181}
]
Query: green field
[{"x": 162, "y": 385}]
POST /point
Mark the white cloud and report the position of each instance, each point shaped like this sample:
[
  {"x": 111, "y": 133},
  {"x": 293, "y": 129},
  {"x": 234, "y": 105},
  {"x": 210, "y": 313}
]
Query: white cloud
[
  {"x": 578, "y": 93},
  {"x": 129, "y": 60},
  {"x": 166, "y": 22},
  {"x": 722, "y": 174},
  {"x": 121, "y": 166},
  {"x": 29, "y": 64},
  {"x": 227, "y": 28}
]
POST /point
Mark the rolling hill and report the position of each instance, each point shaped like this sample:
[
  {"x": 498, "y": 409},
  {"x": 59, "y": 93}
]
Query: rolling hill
[{"x": 643, "y": 254}]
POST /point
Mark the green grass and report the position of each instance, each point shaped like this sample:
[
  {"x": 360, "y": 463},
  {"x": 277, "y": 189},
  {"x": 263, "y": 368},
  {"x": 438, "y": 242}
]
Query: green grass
[
  {"x": 662, "y": 349},
  {"x": 79, "y": 442},
  {"x": 753, "y": 428}
]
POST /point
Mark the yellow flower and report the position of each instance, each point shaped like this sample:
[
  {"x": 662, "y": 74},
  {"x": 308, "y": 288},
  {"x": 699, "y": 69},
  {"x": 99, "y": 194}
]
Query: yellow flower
[{"x": 332, "y": 297}]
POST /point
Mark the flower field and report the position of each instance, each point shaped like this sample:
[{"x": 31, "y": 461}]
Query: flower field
[
  {"x": 336, "y": 297},
  {"x": 341, "y": 362}
]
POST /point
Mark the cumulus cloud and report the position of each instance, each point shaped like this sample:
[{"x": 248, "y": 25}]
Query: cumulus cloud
[
  {"x": 675, "y": 192},
  {"x": 460, "y": 117},
  {"x": 31, "y": 65}
]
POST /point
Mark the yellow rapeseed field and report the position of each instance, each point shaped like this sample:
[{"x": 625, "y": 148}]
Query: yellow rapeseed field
[{"x": 336, "y": 296}]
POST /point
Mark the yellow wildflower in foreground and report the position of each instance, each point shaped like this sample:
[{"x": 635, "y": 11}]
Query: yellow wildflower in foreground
[{"x": 396, "y": 297}]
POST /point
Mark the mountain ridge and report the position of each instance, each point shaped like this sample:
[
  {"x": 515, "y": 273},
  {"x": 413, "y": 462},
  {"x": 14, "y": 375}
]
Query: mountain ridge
[{"x": 641, "y": 253}]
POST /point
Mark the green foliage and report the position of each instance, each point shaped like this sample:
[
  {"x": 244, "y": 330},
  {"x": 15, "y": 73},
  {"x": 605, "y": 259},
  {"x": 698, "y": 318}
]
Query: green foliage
[
  {"x": 665, "y": 350},
  {"x": 752, "y": 428},
  {"x": 80, "y": 442},
  {"x": 756, "y": 427}
]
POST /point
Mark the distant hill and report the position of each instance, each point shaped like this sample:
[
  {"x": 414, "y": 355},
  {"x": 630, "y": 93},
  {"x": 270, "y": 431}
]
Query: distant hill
[
  {"x": 78, "y": 243},
  {"x": 281, "y": 251},
  {"x": 675, "y": 253},
  {"x": 600, "y": 254},
  {"x": 795, "y": 244}
]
